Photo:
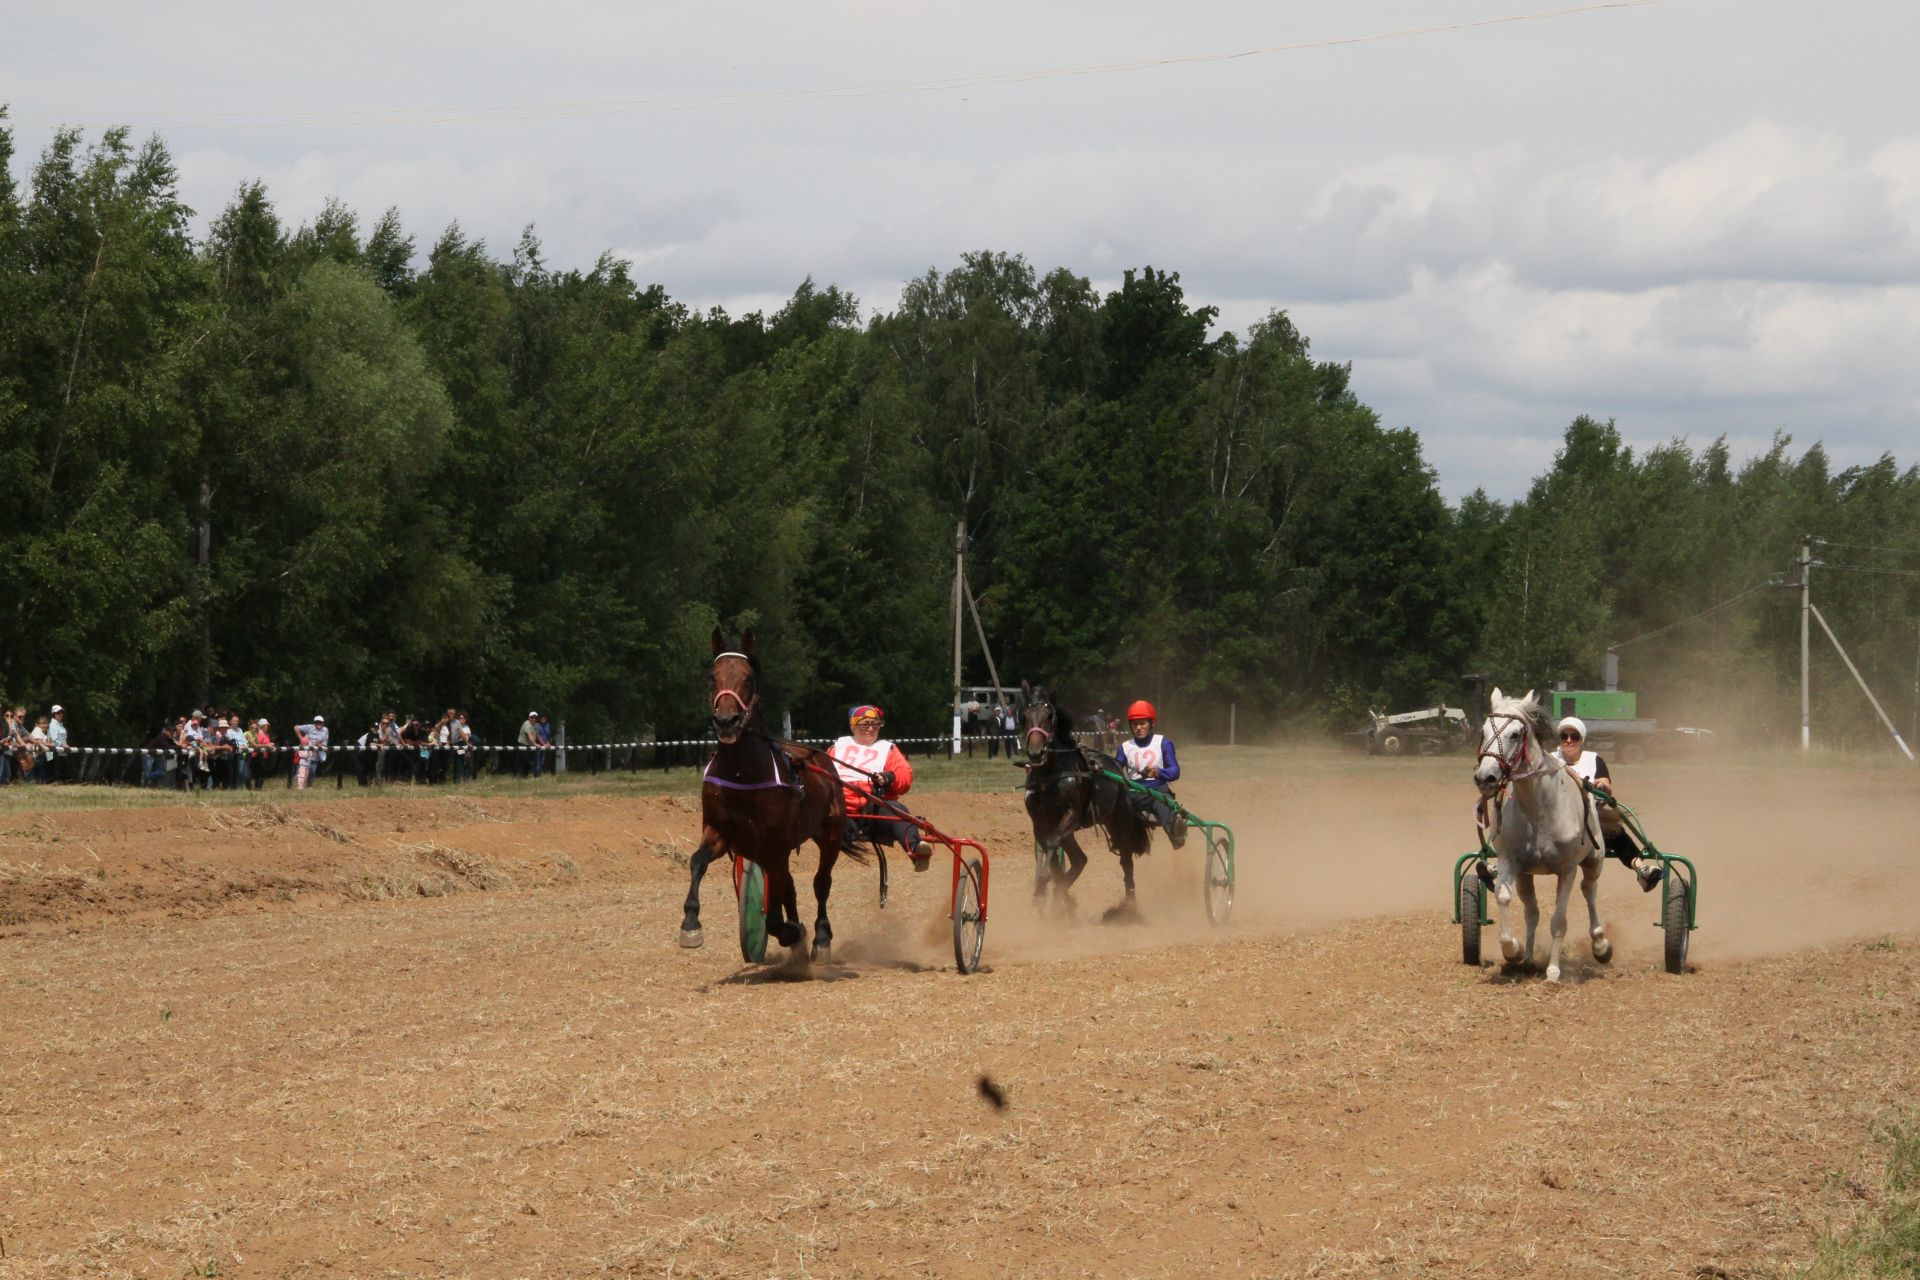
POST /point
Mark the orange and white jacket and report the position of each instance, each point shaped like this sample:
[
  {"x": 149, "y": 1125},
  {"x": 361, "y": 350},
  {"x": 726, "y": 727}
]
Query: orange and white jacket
[{"x": 849, "y": 758}]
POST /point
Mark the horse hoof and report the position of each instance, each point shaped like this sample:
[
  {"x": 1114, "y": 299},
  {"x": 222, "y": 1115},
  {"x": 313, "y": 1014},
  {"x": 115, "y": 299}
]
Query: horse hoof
[
  {"x": 822, "y": 949},
  {"x": 1510, "y": 949},
  {"x": 692, "y": 938},
  {"x": 1603, "y": 950},
  {"x": 1553, "y": 973}
]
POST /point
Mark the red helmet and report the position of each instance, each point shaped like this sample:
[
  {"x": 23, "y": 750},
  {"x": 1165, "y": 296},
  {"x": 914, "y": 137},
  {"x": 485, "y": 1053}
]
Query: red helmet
[{"x": 1142, "y": 710}]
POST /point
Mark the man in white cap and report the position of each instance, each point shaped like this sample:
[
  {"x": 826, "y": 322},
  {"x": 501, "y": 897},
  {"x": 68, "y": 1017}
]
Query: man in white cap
[
  {"x": 313, "y": 741},
  {"x": 1590, "y": 767},
  {"x": 57, "y": 735},
  {"x": 529, "y": 743}
]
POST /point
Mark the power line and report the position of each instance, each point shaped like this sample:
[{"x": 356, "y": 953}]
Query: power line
[
  {"x": 1862, "y": 546},
  {"x": 779, "y": 97},
  {"x": 1763, "y": 586},
  {"x": 1862, "y": 568}
]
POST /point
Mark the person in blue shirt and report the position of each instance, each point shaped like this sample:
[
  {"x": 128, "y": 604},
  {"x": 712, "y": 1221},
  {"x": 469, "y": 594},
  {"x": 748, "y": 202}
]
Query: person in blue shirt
[{"x": 1148, "y": 758}]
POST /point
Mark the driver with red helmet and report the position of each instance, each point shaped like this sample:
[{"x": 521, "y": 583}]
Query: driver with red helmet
[
  {"x": 1147, "y": 758},
  {"x": 871, "y": 766}
]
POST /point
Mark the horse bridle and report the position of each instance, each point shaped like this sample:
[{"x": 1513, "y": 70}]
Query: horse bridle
[
  {"x": 746, "y": 707},
  {"x": 1507, "y": 766},
  {"x": 1045, "y": 733}
]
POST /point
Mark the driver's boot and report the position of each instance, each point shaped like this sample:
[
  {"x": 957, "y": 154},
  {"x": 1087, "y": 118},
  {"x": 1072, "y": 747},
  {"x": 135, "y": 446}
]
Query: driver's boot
[{"x": 1649, "y": 872}]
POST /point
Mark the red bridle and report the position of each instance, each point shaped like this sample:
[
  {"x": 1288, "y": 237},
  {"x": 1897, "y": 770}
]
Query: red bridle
[{"x": 1508, "y": 766}]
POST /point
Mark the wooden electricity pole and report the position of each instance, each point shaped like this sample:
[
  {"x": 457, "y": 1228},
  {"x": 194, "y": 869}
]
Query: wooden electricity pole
[
  {"x": 1806, "y": 610},
  {"x": 963, "y": 593},
  {"x": 959, "y": 585}
]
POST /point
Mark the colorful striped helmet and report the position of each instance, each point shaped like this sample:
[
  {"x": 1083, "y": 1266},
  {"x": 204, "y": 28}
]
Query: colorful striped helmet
[{"x": 866, "y": 713}]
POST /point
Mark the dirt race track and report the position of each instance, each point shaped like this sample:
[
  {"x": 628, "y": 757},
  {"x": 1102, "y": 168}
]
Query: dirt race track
[{"x": 452, "y": 1035}]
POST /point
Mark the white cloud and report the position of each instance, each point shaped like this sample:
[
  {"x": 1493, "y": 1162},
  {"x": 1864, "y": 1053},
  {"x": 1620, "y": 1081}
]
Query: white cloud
[{"x": 1695, "y": 217}]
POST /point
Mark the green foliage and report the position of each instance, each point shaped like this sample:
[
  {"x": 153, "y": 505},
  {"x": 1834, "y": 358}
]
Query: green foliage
[{"x": 502, "y": 484}]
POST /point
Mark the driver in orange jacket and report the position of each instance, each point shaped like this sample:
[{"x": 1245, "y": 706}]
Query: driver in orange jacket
[{"x": 871, "y": 766}]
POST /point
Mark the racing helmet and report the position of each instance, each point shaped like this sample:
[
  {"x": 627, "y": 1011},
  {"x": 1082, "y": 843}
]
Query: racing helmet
[
  {"x": 1141, "y": 710},
  {"x": 866, "y": 713}
]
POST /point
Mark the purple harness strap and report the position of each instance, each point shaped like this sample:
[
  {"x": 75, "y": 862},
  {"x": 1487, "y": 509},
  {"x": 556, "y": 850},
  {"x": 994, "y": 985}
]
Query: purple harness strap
[
  {"x": 707, "y": 779},
  {"x": 742, "y": 786}
]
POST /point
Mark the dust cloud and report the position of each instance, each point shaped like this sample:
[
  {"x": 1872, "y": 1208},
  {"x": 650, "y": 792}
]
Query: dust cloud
[{"x": 1789, "y": 856}]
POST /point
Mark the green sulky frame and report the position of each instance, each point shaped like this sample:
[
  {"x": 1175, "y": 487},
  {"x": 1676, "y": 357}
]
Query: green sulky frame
[
  {"x": 1671, "y": 861},
  {"x": 1193, "y": 820}
]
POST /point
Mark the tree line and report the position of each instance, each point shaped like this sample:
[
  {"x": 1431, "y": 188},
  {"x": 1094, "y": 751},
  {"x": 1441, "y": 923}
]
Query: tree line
[{"x": 316, "y": 468}]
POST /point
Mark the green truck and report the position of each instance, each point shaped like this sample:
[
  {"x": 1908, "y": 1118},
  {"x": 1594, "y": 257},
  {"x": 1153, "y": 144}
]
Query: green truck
[{"x": 1616, "y": 730}]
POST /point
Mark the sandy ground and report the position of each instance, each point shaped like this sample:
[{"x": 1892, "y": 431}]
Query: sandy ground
[{"x": 452, "y": 1035}]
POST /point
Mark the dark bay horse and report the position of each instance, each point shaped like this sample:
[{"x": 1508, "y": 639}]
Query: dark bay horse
[
  {"x": 1069, "y": 789},
  {"x": 760, "y": 800}
]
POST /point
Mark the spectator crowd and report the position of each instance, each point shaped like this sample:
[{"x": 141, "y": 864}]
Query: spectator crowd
[
  {"x": 222, "y": 750},
  {"x": 30, "y": 749}
]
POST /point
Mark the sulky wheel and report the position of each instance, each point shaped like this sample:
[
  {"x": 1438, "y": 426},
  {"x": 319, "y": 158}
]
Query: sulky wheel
[
  {"x": 969, "y": 919},
  {"x": 1473, "y": 895},
  {"x": 753, "y": 914},
  {"x": 1392, "y": 744},
  {"x": 1673, "y": 920},
  {"x": 1219, "y": 883}
]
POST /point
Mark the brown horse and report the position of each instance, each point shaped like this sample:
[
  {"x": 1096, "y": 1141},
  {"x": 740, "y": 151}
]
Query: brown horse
[{"x": 760, "y": 800}]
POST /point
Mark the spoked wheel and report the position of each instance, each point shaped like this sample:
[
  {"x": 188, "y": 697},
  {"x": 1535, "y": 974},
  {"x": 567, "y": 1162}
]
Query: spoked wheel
[
  {"x": 1473, "y": 896},
  {"x": 969, "y": 919},
  {"x": 1219, "y": 883},
  {"x": 1673, "y": 920},
  {"x": 753, "y": 914}
]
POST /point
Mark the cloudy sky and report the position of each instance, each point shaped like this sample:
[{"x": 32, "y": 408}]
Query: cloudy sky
[{"x": 1697, "y": 217}]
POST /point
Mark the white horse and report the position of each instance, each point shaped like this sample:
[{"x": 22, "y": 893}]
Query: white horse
[{"x": 1546, "y": 825}]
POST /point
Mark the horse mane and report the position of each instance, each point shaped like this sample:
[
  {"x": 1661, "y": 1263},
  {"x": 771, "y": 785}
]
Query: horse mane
[{"x": 1062, "y": 723}]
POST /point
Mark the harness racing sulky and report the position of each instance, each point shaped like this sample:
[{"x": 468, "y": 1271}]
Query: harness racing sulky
[
  {"x": 1071, "y": 789},
  {"x": 762, "y": 797},
  {"x": 1536, "y": 817}
]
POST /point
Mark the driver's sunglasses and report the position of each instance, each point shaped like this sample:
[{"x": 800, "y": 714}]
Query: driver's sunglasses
[{"x": 1569, "y": 736}]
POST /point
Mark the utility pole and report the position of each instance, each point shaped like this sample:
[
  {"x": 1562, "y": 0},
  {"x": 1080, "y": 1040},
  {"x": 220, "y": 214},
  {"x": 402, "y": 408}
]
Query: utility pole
[
  {"x": 1913, "y": 728},
  {"x": 205, "y": 560},
  {"x": 1806, "y": 610},
  {"x": 963, "y": 597},
  {"x": 959, "y": 569},
  {"x": 980, "y": 633}
]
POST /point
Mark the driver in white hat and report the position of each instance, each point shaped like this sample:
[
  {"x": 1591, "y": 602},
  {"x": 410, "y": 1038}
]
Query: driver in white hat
[{"x": 1590, "y": 767}]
